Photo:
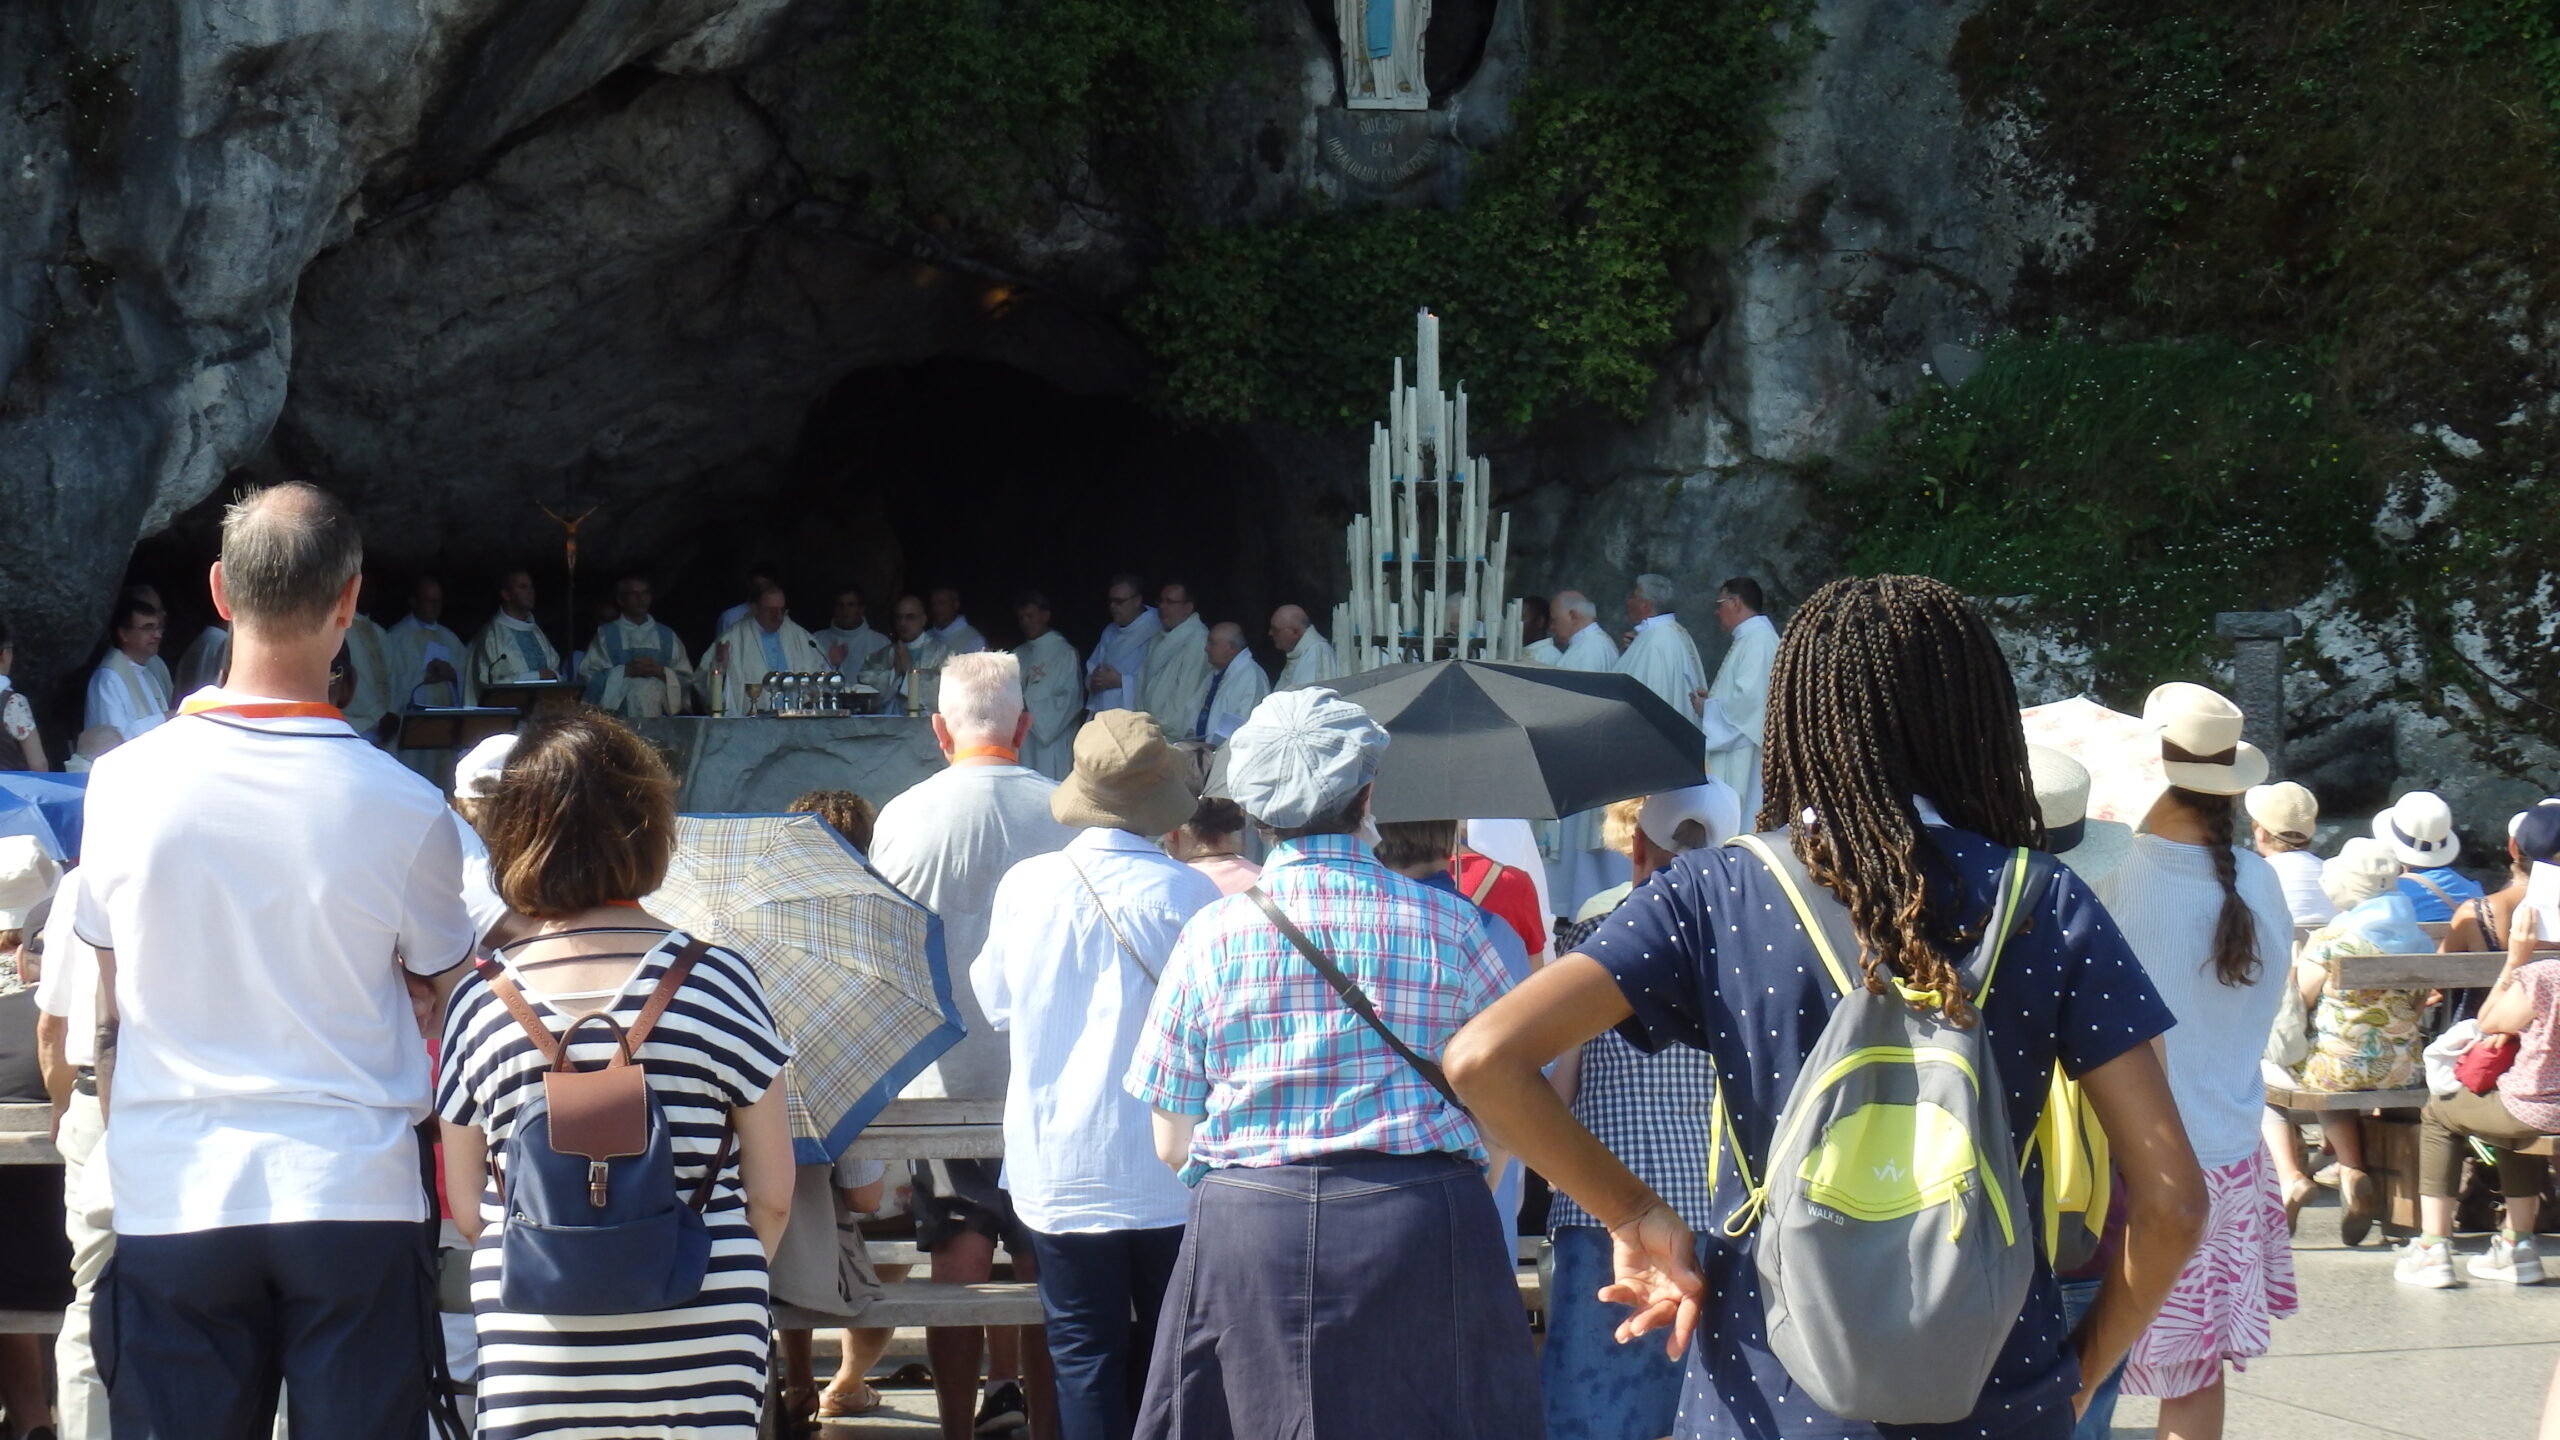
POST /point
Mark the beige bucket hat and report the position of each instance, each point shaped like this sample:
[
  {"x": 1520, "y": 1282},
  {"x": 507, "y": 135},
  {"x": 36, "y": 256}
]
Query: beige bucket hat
[{"x": 1126, "y": 778}]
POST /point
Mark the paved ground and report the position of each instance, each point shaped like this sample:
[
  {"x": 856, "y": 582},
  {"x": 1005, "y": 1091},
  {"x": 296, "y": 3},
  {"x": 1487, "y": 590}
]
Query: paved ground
[{"x": 2366, "y": 1359}]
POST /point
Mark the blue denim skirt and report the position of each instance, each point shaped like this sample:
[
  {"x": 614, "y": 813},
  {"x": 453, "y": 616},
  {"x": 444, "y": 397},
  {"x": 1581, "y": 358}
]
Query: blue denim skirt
[{"x": 1355, "y": 1297}]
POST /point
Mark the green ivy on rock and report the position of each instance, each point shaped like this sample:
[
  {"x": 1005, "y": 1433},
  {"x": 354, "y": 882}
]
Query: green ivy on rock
[{"x": 1633, "y": 151}]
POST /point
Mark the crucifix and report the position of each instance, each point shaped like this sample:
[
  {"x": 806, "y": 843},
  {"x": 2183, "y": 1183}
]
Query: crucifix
[{"x": 569, "y": 540}]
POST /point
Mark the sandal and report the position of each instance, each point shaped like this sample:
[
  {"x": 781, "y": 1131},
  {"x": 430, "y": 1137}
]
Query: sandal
[
  {"x": 833, "y": 1404},
  {"x": 2295, "y": 1194},
  {"x": 800, "y": 1409}
]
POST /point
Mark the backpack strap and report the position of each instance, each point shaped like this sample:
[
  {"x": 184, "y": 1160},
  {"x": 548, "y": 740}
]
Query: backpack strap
[
  {"x": 1828, "y": 927},
  {"x": 1484, "y": 887},
  {"x": 495, "y": 976},
  {"x": 1357, "y": 999},
  {"x": 663, "y": 993}
]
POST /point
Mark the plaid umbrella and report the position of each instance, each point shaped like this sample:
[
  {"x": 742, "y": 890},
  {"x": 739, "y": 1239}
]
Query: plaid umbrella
[
  {"x": 854, "y": 970},
  {"x": 2122, "y": 753}
]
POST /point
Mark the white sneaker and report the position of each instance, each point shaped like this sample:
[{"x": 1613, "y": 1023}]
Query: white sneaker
[
  {"x": 2510, "y": 1262},
  {"x": 2429, "y": 1267}
]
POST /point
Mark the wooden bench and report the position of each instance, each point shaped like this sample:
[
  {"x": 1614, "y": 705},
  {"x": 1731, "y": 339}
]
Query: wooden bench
[{"x": 26, "y": 1135}]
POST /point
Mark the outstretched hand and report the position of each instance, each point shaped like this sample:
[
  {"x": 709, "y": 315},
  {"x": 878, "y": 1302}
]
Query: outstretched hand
[{"x": 1655, "y": 1257}]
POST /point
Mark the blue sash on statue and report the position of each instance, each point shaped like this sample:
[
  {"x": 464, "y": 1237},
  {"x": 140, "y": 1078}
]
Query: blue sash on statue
[{"x": 1382, "y": 28}]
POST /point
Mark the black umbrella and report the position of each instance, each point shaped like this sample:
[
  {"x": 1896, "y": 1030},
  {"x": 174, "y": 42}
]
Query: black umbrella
[{"x": 1527, "y": 742}]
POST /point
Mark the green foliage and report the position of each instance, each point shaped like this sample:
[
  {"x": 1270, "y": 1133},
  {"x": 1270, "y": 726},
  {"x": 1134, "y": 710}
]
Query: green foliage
[
  {"x": 1633, "y": 150},
  {"x": 2532, "y": 29},
  {"x": 968, "y": 113},
  {"x": 2136, "y": 489}
]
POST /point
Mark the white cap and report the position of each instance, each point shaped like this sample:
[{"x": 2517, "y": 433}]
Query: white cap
[
  {"x": 475, "y": 775},
  {"x": 1713, "y": 804},
  {"x": 27, "y": 878}
]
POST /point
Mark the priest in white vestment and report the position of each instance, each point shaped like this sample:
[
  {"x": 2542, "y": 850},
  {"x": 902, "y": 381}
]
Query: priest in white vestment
[
  {"x": 636, "y": 667},
  {"x": 942, "y": 612},
  {"x": 1311, "y": 660},
  {"x": 1052, "y": 688},
  {"x": 158, "y": 664},
  {"x": 1662, "y": 656},
  {"x": 912, "y": 648},
  {"x": 1738, "y": 702},
  {"x": 1585, "y": 865},
  {"x": 1538, "y": 645},
  {"x": 765, "y": 641},
  {"x": 1239, "y": 684},
  {"x": 1177, "y": 670},
  {"x": 426, "y": 656},
  {"x": 369, "y": 651},
  {"x": 1115, "y": 673},
  {"x": 511, "y": 649},
  {"x": 124, "y": 695},
  {"x": 849, "y": 642},
  {"x": 203, "y": 663}
]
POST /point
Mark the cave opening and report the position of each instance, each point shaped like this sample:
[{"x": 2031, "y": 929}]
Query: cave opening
[{"x": 949, "y": 471}]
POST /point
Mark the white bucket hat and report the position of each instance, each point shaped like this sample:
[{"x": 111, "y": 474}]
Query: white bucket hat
[
  {"x": 2200, "y": 744},
  {"x": 2359, "y": 871},
  {"x": 2419, "y": 829},
  {"x": 2091, "y": 847},
  {"x": 27, "y": 878}
]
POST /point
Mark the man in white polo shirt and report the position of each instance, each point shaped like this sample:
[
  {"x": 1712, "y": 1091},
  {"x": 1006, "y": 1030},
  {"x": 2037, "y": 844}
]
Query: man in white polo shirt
[{"x": 269, "y": 896}]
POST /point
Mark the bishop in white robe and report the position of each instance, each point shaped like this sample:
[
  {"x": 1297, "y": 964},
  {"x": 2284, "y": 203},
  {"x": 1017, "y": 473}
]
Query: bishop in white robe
[
  {"x": 1237, "y": 687},
  {"x": 1052, "y": 690},
  {"x": 1177, "y": 666},
  {"x": 1115, "y": 673},
  {"x": 892, "y": 671},
  {"x": 636, "y": 667},
  {"x": 767, "y": 640},
  {"x": 1310, "y": 658},
  {"x": 850, "y": 642},
  {"x": 1737, "y": 708},
  {"x": 1585, "y": 865}
]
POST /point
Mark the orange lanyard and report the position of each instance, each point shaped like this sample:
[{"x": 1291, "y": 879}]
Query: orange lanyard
[
  {"x": 263, "y": 709},
  {"x": 1005, "y": 753}
]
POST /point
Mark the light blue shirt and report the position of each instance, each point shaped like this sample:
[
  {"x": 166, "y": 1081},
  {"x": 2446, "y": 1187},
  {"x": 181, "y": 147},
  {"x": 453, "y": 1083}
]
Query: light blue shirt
[
  {"x": 772, "y": 641},
  {"x": 1079, "y": 1150}
]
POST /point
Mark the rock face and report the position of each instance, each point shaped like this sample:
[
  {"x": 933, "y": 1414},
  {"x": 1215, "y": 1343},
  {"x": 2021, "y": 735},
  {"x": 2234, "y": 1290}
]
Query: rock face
[{"x": 460, "y": 258}]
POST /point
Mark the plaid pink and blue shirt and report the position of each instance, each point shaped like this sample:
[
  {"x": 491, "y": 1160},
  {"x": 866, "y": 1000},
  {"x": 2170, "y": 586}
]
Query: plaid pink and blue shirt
[{"x": 1245, "y": 1032}]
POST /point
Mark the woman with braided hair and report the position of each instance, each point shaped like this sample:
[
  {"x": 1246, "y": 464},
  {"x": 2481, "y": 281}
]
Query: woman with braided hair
[
  {"x": 1897, "y": 769},
  {"x": 2209, "y": 919}
]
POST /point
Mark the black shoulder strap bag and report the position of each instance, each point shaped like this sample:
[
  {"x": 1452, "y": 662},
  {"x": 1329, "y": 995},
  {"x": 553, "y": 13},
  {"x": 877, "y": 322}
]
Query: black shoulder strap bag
[{"x": 1358, "y": 999}]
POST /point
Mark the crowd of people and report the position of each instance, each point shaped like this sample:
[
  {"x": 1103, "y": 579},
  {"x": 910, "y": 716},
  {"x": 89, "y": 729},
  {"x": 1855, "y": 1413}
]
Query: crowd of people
[{"x": 1272, "y": 1070}]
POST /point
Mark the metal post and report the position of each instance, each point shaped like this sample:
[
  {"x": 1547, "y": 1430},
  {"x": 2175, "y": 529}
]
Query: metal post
[{"x": 2257, "y": 675}]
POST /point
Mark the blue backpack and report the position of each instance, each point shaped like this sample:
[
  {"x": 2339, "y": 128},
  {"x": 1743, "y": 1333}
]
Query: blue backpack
[{"x": 593, "y": 1222}]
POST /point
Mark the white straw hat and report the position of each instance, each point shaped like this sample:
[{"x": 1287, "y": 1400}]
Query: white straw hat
[
  {"x": 1712, "y": 803},
  {"x": 2360, "y": 870},
  {"x": 2419, "y": 829},
  {"x": 2200, "y": 744},
  {"x": 2092, "y": 847}
]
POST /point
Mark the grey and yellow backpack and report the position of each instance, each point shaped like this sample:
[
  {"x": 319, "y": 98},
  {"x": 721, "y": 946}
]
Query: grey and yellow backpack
[{"x": 1894, "y": 1243}]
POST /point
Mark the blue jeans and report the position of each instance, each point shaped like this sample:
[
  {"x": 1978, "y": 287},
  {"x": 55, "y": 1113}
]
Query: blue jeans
[
  {"x": 2077, "y": 1297},
  {"x": 1596, "y": 1388},
  {"x": 1090, "y": 1286},
  {"x": 195, "y": 1332}
]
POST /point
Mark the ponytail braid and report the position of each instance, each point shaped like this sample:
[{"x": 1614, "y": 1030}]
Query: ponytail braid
[{"x": 2235, "y": 930}]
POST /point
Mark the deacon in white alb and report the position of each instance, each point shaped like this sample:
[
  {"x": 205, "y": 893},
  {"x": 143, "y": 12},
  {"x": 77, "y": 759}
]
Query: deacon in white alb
[
  {"x": 942, "y": 609},
  {"x": 124, "y": 695},
  {"x": 1662, "y": 656},
  {"x": 636, "y": 667},
  {"x": 425, "y": 655},
  {"x": 1585, "y": 865},
  {"x": 369, "y": 652},
  {"x": 1116, "y": 671},
  {"x": 1738, "y": 703},
  {"x": 849, "y": 642},
  {"x": 767, "y": 640},
  {"x": 1052, "y": 688},
  {"x": 1240, "y": 684},
  {"x": 912, "y": 647},
  {"x": 511, "y": 650},
  {"x": 1310, "y": 659},
  {"x": 1177, "y": 673}
]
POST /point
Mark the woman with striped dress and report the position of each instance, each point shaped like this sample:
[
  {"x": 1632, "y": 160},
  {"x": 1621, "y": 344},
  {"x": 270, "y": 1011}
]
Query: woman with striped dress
[{"x": 581, "y": 824}]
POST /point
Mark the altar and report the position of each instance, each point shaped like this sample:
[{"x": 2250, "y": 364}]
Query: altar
[{"x": 760, "y": 764}]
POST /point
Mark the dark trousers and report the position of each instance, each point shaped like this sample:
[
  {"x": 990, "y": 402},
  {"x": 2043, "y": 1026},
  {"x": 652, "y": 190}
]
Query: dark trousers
[
  {"x": 194, "y": 1332},
  {"x": 1102, "y": 1292}
]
